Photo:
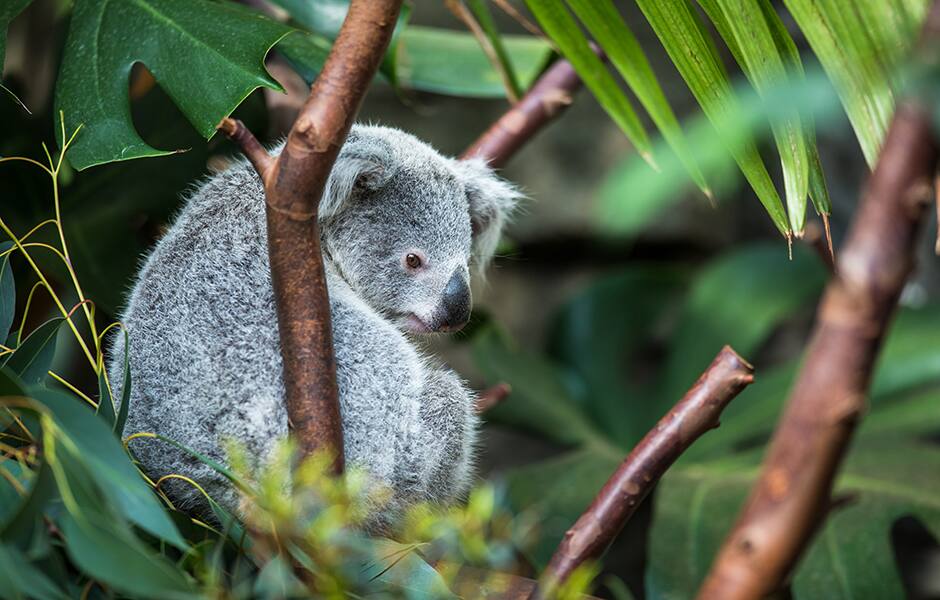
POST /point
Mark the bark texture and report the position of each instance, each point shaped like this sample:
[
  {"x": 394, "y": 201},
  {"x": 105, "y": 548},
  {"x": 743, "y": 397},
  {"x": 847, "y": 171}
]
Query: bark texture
[
  {"x": 545, "y": 100},
  {"x": 791, "y": 497},
  {"x": 697, "y": 412},
  {"x": 294, "y": 183}
]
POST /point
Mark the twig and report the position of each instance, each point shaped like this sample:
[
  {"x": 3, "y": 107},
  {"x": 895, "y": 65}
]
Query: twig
[
  {"x": 294, "y": 183},
  {"x": 492, "y": 396},
  {"x": 547, "y": 98},
  {"x": 790, "y": 499},
  {"x": 466, "y": 16},
  {"x": 518, "y": 17},
  {"x": 697, "y": 412}
]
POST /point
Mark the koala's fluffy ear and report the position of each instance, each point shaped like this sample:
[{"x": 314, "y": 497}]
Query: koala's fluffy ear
[
  {"x": 364, "y": 163},
  {"x": 492, "y": 201}
]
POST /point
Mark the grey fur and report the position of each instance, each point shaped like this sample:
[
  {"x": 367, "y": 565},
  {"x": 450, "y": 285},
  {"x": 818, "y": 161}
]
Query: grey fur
[{"x": 205, "y": 357}]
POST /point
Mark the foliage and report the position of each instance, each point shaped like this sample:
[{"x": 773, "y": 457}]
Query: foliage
[
  {"x": 78, "y": 519},
  {"x": 588, "y": 394},
  {"x": 859, "y": 45},
  {"x": 187, "y": 46}
]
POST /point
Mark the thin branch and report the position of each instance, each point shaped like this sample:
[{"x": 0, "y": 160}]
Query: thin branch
[
  {"x": 790, "y": 500},
  {"x": 294, "y": 184},
  {"x": 500, "y": 63},
  {"x": 492, "y": 396},
  {"x": 546, "y": 99},
  {"x": 697, "y": 412},
  {"x": 236, "y": 131},
  {"x": 518, "y": 17},
  {"x": 815, "y": 237}
]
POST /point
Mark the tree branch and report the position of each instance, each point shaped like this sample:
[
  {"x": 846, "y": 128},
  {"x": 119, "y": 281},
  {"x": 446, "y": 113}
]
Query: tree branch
[
  {"x": 294, "y": 184},
  {"x": 544, "y": 101},
  {"x": 697, "y": 412},
  {"x": 790, "y": 499}
]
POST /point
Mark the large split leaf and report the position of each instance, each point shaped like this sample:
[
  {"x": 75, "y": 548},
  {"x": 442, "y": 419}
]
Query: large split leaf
[
  {"x": 850, "y": 558},
  {"x": 207, "y": 56},
  {"x": 739, "y": 299}
]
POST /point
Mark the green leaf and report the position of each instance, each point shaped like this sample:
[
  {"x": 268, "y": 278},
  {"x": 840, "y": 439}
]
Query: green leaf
[
  {"x": 481, "y": 11},
  {"x": 32, "y": 358},
  {"x": 397, "y": 566},
  {"x": 743, "y": 24},
  {"x": 610, "y": 31},
  {"x": 9, "y": 9},
  {"x": 21, "y": 579},
  {"x": 563, "y": 29},
  {"x": 843, "y": 46},
  {"x": 96, "y": 447},
  {"x": 186, "y": 44},
  {"x": 558, "y": 490},
  {"x": 739, "y": 299},
  {"x": 7, "y": 292},
  {"x": 126, "y": 384},
  {"x": 601, "y": 332},
  {"x": 851, "y": 558},
  {"x": 691, "y": 49},
  {"x": 539, "y": 401},
  {"x": 108, "y": 551},
  {"x": 446, "y": 62}
]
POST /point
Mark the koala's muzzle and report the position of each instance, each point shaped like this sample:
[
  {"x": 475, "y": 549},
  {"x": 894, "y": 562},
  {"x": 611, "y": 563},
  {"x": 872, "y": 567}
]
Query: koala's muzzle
[{"x": 454, "y": 310}]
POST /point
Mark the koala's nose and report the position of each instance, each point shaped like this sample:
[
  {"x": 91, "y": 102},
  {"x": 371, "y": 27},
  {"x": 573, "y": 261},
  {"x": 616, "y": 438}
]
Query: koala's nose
[{"x": 454, "y": 310}]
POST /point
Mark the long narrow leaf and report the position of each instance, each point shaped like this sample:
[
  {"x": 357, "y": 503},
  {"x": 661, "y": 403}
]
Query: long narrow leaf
[
  {"x": 481, "y": 11},
  {"x": 610, "y": 31},
  {"x": 560, "y": 25},
  {"x": 840, "y": 43},
  {"x": 683, "y": 35},
  {"x": 742, "y": 24}
]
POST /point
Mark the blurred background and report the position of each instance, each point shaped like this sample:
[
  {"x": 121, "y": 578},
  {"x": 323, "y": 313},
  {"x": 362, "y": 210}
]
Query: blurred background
[{"x": 597, "y": 333}]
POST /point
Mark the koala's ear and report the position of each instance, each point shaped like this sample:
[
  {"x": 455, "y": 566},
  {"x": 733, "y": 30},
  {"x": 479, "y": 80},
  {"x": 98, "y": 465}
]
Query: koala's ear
[
  {"x": 364, "y": 163},
  {"x": 492, "y": 201}
]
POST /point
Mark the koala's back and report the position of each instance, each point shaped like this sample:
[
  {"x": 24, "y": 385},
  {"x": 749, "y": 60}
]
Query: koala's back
[{"x": 205, "y": 357}]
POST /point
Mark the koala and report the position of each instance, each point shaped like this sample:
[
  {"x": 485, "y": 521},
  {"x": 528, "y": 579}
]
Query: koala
[{"x": 400, "y": 225}]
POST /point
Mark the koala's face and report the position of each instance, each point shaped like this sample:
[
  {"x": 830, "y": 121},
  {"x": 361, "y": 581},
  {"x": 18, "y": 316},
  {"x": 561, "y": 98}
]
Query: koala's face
[{"x": 408, "y": 226}]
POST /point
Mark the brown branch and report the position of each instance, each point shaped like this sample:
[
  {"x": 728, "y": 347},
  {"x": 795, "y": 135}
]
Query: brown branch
[
  {"x": 294, "y": 183},
  {"x": 813, "y": 236},
  {"x": 789, "y": 501},
  {"x": 492, "y": 396},
  {"x": 460, "y": 10},
  {"x": 697, "y": 412},
  {"x": 544, "y": 101}
]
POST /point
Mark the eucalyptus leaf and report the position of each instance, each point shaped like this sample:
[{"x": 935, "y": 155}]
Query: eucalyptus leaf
[
  {"x": 32, "y": 358},
  {"x": 21, "y": 579},
  {"x": 7, "y": 292},
  {"x": 186, "y": 44},
  {"x": 109, "y": 466}
]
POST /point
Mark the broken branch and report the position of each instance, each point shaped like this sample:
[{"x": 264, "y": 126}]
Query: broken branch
[
  {"x": 791, "y": 497},
  {"x": 294, "y": 184},
  {"x": 697, "y": 412}
]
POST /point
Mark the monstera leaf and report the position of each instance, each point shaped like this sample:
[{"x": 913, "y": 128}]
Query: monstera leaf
[
  {"x": 851, "y": 557},
  {"x": 586, "y": 398},
  {"x": 207, "y": 56}
]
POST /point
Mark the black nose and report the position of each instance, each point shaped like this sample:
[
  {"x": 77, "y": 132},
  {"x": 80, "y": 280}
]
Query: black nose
[{"x": 454, "y": 310}]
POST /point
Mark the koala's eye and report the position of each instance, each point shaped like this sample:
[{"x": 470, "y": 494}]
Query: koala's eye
[{"x": 413, "y": 261}]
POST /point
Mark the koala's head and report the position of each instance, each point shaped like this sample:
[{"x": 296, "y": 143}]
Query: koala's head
[{"x": 403, "y": 224}]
